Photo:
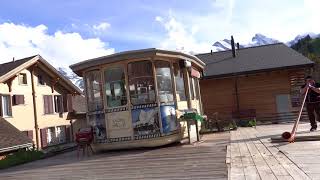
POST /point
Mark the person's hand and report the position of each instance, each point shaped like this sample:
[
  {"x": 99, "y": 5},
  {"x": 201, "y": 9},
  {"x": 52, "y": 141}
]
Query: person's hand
[{"x": 309, "y": 85}]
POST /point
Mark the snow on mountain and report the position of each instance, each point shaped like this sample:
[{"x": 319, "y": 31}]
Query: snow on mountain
[
  {"x": 257, "y": 40},
  {"x": 260, "y": 39},
  {"x": 76, "y": 80},
  {"x": 300, "y": 36}
]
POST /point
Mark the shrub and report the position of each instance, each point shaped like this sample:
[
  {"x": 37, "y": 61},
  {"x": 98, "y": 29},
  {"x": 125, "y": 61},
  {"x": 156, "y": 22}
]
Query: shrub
[{"x": 20, "y": 157}]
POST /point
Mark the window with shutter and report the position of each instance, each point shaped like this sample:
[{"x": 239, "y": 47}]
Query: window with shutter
[
  {"x": 58, "y": 104},
  {"x": 43, "y": 136},
  {"x": 48, "y": 104},
  {"x": 65, "y": 103},
  {"x": 30, "y": 134},
  {"x": 17, "y": 99},
  {"x": 69, "y": 102},
  {"x": 68, "y": 133},
  {"x": 5, "y": 106}
]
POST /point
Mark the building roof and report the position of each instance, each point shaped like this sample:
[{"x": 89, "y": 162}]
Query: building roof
[
  {"x": 252, "y": 60},
  {"x": 9, "y": 66},
  {"x": 11, "y": 138},
  {"x": 134, "y": 54},
  {"x": 11, "y": 69}
]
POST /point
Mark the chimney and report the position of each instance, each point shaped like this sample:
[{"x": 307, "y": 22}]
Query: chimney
[
  {"x": 211, "y": 52},
  {"x": 232, "y": 47},
  {"x": 238, "y": 46},
  {"x": 12, "y": 59}
]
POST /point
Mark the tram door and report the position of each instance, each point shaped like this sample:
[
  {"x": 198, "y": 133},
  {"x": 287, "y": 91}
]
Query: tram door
[{"x": 118, "y": 118}]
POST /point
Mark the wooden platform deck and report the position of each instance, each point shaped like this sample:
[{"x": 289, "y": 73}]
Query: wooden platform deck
[
  {"x": 205, "y": 160},
  {"x": 251, "y": 155}
]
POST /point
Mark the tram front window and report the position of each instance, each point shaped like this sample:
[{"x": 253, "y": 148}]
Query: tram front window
[
  {"x": 164, "y": 81},
  {"x": 115, "y": 87},
  {"x": 141, "y": 83},
  {"x": 180, "y": 90},
  {"x": 93, "y": 88}
]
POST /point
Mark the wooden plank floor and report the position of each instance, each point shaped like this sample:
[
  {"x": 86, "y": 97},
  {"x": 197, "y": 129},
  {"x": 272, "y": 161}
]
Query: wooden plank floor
[
  {"x": 205, "y": 160},
  {"x": 251, "y": 155}
]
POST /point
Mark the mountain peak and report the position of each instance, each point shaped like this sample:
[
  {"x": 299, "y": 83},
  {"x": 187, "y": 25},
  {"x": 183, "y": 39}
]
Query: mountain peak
[{"x": 257, "y": 40}]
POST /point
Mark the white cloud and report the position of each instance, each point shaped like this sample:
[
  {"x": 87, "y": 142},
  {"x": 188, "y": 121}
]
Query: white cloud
[
  {"x": 281, "y": 20},
  {"x": 103, "y": 26},
  {"x": 60, "y": 49},
  {"x": 180, "y": 37}
]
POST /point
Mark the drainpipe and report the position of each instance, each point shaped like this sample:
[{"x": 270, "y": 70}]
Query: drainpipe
[{"x": 34, "y": 108}]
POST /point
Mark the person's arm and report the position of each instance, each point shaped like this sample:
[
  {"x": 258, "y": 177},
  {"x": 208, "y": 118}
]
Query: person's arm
[
  {"x": 317, "y": 90},
  {"x": 304, "y": 89}
]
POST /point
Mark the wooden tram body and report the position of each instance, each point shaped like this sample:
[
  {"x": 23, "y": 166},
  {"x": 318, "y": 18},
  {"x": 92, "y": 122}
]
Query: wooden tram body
[{"x": 135, "y": 98}]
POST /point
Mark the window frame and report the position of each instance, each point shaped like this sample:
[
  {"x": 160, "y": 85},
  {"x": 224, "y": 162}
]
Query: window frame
[
  {"x": 125, "y": 90},
  {"x": 153, "y": 79},
  {"x": 16, "y": 97},
  {"x": 86, "y": 89},
  {"x": 42, "y": 80},
  {"x": 24, "y": 78},
  {"x": 58, "y": 106},
  {"x": 9, "y": 107},
  {"x": 44, "y": 105},
  {"x": 181, "y": 71},
  {"x": 171, "y": 76}
]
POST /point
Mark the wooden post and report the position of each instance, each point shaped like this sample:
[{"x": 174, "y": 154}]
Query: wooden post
[
  {"x": 197, "y": 130},
  {"x": 188, "y": 129},
  {"x": 34, "y": 108},
  {"x": 157, "y": 93}
]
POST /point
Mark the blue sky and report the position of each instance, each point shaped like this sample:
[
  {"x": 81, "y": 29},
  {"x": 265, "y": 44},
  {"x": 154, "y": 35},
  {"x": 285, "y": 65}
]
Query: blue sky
[{"x": 68, "y": 31}]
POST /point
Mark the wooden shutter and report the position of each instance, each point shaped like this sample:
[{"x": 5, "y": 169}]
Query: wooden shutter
[
  {"x": 67, "y": 131},
  {"x": 10, "y": 105},
  {"x": 45, "y": 104},
  {"x": 17, "y": 99},
  {"x": 60, "y": 101},
  {"x": 14, "y": 100},
  {"x": 65, "y": 103},
  {"x": 48, "y": 104},
  {"x": 69, "y": 102},
  {"x": 21, "y": 99},
  {"x": 1, "y": 114},
  {"x": 43, "y": 135},
  {"x": 30, "y": 134}
]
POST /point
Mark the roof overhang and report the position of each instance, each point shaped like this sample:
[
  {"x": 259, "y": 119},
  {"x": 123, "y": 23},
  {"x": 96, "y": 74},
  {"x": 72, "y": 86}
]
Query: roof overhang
[
  {"x": 228, "y": 75},
  {"x": 42, "y": 63},
  {"x": 13, "y": 148},
  {"x": 78, "y": 68}
]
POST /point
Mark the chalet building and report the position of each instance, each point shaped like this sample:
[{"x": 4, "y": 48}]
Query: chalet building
[
  {"x": 261, "y": 82},
  {"x": 36, "y": 99}
]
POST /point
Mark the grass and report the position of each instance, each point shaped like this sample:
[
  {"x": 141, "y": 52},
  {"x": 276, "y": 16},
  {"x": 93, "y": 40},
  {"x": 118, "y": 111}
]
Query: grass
[{"x": 20, "y": 157}]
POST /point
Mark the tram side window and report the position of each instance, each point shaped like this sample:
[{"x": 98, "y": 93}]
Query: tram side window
[
  {"x": 164, "y": 81},
  {"x": 93, "y": 84},
  {"x": 196, "y": 85},
  {"x": 115, "y": 87},
  {"x": 194, "y": 88},
  {"x": 141, "y": 82},
  {"x": 180, "y": 89}
]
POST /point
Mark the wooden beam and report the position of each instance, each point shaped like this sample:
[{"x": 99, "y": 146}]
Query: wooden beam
[
  {"x": 9, "y": 83},
  {"x": 53, "y": 83}
]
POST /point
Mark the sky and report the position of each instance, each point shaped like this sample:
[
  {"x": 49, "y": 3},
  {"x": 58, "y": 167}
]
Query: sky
[{"x": 69, "y": 31}]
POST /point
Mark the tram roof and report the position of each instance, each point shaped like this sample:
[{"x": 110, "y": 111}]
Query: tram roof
[{"x": 132, "y": 55}]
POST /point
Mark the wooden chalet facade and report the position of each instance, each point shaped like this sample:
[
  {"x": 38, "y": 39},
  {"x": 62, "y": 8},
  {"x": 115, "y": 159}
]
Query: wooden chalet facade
[
  {"x": 257, "y": 82},
  {"x": 36, "y": 99}
]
